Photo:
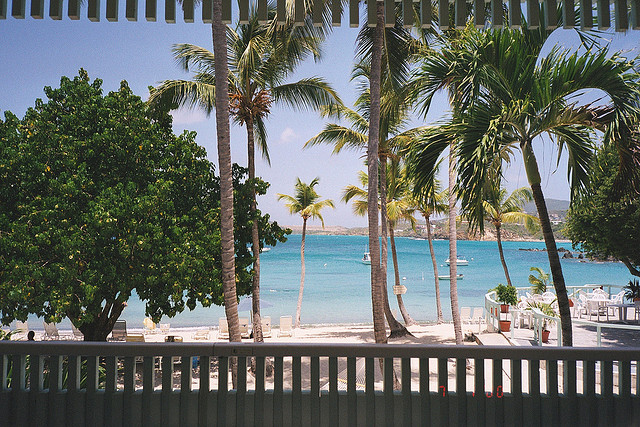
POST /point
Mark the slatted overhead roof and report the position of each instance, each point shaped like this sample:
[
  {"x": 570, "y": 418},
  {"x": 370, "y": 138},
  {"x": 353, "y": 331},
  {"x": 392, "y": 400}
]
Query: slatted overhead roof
[{"x": 625, "y": 12}]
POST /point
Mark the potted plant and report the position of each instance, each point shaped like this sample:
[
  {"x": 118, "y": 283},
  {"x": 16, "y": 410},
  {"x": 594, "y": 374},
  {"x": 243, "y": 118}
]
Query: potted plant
[
  {"x": 547, "y": 310},
  {"x": 632, "y": 290},
  {"x": 507, "y": 295}
]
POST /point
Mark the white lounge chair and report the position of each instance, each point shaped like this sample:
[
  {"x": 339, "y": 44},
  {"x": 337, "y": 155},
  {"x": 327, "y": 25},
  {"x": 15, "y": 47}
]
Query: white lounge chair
[
  {"x": 266, "y": 326},
  {"x": 77, "y": 335},
  {"x": 164, "y": 327},
  {"x": 223, "y": 328},
  {"x": 149, "y": 326},
  {"x": 20, "y": 331},
  {"x": 119, "y": 331},
  {"x": 201, "y": 334},
  {"x": 478, "y": 315},
  {"x": 286, "y": 326},
  {"x": 244, "y": 327},
  {"x": 50, "y": 331},
  {"x": 465, "y": 315}
]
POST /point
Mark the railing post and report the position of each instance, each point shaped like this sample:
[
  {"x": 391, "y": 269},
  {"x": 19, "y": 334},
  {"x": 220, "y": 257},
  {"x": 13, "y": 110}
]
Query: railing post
[
  {"x": 443, "y": 385},
  {"x": 223, "y": 386},
  {"x": 205, "y": 388},
  {"x": 388, "y": 391},
  {"x": 258, "y": 403},
  {"x": 185, "y": 387},
  {"x": 296, "y": 390},
  {"x": 351, "y": 390}
]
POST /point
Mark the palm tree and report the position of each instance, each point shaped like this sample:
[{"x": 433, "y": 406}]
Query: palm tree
[
  {"x": 513, "y": 97},
  {"x": 306, "y": 204},
  {"x": 397, "y": 208},
  {"x": 430, "y": 202},
  {"x": 500, "y": 209},
  {"x": 260, "y": 57}
]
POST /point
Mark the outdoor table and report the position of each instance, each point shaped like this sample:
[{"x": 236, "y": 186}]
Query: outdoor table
[{"x": 622, "y": 308}]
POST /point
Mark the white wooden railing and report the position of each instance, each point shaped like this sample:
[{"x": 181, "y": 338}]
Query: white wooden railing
[{"x": 77, "y": 383}]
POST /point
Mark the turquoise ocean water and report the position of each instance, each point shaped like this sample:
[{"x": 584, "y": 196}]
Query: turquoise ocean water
[{"x": 337, "y": 287}]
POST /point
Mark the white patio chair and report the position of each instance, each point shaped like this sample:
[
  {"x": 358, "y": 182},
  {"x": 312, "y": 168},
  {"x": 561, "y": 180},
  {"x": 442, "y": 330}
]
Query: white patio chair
[
  {"x": 50, "y": 331},
  {"x": 266, "y": 326},
  {"x": 244, "y": 327},
  {"x": 201, "y": 334},
  {"x": 223, "y": 329},
  {"x": 465, "y": 315},
  {"x": 286, "y": 326},
  {"x": 597, "y": 305},
  {"x": 77, "y": 335},
  {"x": 149, "y": 326}
]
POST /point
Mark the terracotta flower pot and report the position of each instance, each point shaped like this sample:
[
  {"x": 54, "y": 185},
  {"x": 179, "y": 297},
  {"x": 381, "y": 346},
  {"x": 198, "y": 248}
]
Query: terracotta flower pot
[
  {"x": 505, "y": 325},
  {"x": 504, "y": 308},
  {"x": 545, "y": 336}
]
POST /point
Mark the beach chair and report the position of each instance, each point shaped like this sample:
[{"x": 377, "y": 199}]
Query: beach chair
[
  {"x": 266, "y": 326},
  {"x": 50, "y": 331},
  {"x": 77, "y": 335},
  {"x": 286, "y": 326},
  {"x": 223, "y": 329},
  {"x": 20, "y": 330},
  {"x": 244, "y": 327},
  {"x": 201, "y": 334},
  {"x": 119, "y": 331},
  {"x": 465, "y": 315},
  {"x": 164, "y": 327},
  {"x": 149, "y": 326},
  {"x": 478, "y": 315},
  {"x": 134, "y": 338}
]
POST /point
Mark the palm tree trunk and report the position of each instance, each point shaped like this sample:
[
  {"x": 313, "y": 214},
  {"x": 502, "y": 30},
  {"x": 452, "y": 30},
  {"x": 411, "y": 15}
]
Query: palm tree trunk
[
  {"x": 403, "y": 310},
  {"x": 219, "y": 35},
  {"x": 533, "y": 176},
  {"x": 255, "y": 238},
  {"x": 397, "y": 329},
  {"x": 435, "y": 269},
  {"x": 453, "y": 250},
  {"x": 377, "y": 301},
  {"x": 502, "y": 260},
  {"x": 302, "y": 272}
]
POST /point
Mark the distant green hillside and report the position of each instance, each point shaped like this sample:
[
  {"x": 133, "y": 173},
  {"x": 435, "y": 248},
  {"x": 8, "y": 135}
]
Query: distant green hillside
[{"x": 553, "y": 205}]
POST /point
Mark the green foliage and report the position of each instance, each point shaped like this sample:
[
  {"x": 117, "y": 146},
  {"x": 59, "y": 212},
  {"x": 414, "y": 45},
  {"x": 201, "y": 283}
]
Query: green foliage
[
  {"x": 101, "y": 199},
  {"x": 547, "y": 310},
  {"x": 603, "y": 221},
  {"x": 539, "y": 284},
  {"x": 507, "y": 294},
  {"x": 632, "y": 290}
]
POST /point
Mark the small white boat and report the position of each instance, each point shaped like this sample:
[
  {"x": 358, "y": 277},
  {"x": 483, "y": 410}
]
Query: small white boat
[
  {"x": 448, "y": 277},
  {"x": 459, "y": 261},
  {"x": 366, "y": 258},
  {"x": 265, "y": 250}
]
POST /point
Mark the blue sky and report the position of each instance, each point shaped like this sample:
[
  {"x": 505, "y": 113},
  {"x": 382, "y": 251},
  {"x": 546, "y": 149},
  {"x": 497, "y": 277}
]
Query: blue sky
[{"x": 36, "y": 53}]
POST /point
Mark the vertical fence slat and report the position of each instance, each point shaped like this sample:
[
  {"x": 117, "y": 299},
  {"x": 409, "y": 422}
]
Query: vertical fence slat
[
  {"x": 281, "y": 10},
  {"x": 170, "y": 11},
  {"x": 74, "y": 409},
  {"x": 223, "y": 387},
  {"x": 552, "y": 390},
  {"x": 185, "y": 386},
  {"x": 478, "y": 386},
  {"x": 622, "y": 20},
  {"x": 334, "y": 414},
  {"x": 263, "y": 12},
  {"x": 131, "y": 10},
  {"x": 205, "y": 386},
  {"x": 351, "y": 391},
  {"x": 241, "y": 390},
  {"x": 93, "y": 10},
  {"x": 316, "y": 13},
  {"x": 570, "y": 388},
  {"x": 18, "y": 385},
  {"x": 443, "y": 14},
  {"x": 315, "y": 391},
  {"x": 426, "y": 13},
  {"x": 478, "y": 13},
  {"x": 18, "y": 8},
  {"x": 207, "y": 11},
  {"x": 278, "y": 371},
  {"x": 371, "y": 14},
  {"x": 425, "y": 398},
  {"x": 388, "y": 391},
  {"x": 112, "y": 10},
  {"x": 460, "y": 13},
  {"x": 497, "y": 383},
  {"x": 73, "y": 11},
  {"x": 589, "y": 389},
  {"x": 298, "y": 12},
  {"x": 370, "y": 390},
  {"x": 461, "y": 390},
  {"x": 604, "y": 15},
  {"x": 443, "y": 384},
  {"x": 354, "y": 13},
  {"x": 4, "y": 369},
  {"x": 336, "y": 12},
  {"x": 606, "y": 390},
  {"x": 534, "y": 391},
  {"x": 515, "y": 13},
  {"x": 407, "y": 13},
  {"x": 516, "y": 390},
  {"x": 129, "y": 388},
  {"x": 568, "y": 14},
  {"x": 533, "y": 13},
  {"x": 635, "y": 14},
  {"x": 586, "y": 14},
  {"x": 243, "y": 12},
  {"x": 167, "y": 386},
  {"x": 296, "y": 390},
  {"x": 389, "y": 13},
  {"x": 151, "y": 10},
  {"x": 551, "y": 15},
  {"x": 3, "y": 9},
  {"x": 147, "y": 389},
  {"x": 110, "y": 388},
  {"x": 624, "y": 384},
  {"x": 258, "y": 403},
  {"x": 407, "y": 410},
  {"x": 226, "y": 11},
  {"x": 188, "y": 11},
  {"x": 37, "y": 9},
  {"x": 36, "y": 369},
  {"x": 496, "y": 13}
]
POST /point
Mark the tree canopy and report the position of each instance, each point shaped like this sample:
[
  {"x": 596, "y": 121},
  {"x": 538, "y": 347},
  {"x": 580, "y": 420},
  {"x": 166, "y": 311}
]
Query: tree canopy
[
  {"x": 605, "y": 221},
  {"x": 101, "y": 199}
]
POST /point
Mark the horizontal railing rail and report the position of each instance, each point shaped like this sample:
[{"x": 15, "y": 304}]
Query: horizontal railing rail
[{"x": 82, "y": 383}]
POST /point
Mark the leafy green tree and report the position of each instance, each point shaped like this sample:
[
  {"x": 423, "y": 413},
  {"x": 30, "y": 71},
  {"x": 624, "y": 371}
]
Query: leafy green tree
[
  {"x": 509, "y": 97},
  {"x": 100, "y": 199},
  {"x": 603, "y": 221},
  {"x": 305, "y": 203}
]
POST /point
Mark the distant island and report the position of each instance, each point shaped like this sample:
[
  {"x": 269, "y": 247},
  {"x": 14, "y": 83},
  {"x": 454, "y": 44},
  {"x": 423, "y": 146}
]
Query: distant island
[{"x": 557, "y": 213}]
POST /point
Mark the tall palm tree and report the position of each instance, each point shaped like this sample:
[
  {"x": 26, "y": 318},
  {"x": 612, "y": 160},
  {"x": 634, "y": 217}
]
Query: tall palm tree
[
  {"x": 305, "y": 203},
  {"x": 397, "y": 208},
  {"x": 500, "y": 209},
  {"x": 514, "y": 96},
  {"x": 431, "y": 201},
  {"x": 260, "y": 57}
]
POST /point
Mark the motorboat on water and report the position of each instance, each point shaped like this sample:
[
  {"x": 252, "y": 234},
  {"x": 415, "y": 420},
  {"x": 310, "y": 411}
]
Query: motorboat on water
[
  {"x": 366, "y": 258},
  {"x": 448, "y": 277},
  {"x": 459, "y": 261}
]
